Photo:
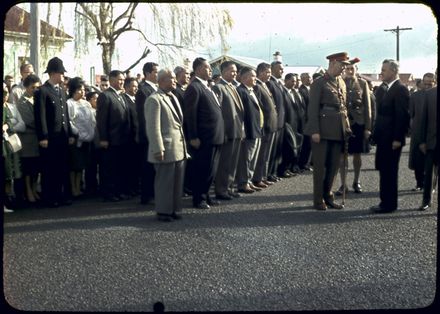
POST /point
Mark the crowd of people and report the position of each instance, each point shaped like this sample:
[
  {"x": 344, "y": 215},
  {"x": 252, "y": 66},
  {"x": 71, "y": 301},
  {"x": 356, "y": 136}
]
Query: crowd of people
[{"x": 186, "y": 131}]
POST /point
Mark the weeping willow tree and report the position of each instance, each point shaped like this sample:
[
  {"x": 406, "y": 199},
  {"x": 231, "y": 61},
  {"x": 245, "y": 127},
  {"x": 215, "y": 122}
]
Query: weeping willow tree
[{"x": 171, "y": 28}]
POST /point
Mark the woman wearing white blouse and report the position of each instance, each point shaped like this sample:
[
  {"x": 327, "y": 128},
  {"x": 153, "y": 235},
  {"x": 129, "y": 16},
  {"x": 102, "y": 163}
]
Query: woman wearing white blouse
[{"x": 83, "y": 124}]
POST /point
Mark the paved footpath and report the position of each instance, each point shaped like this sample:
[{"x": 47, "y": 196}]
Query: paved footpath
[{"x": 265, "y": 251}]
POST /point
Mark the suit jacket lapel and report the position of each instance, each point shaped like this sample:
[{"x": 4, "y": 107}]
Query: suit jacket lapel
[{"x": 177, "y": 114}]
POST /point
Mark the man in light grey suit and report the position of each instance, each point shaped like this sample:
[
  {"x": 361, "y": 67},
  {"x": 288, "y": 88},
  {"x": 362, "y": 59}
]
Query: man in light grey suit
[{"x": 167, "y": 147}]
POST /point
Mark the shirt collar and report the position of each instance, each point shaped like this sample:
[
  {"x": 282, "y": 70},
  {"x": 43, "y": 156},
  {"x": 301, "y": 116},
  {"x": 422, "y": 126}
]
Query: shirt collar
[
  {"x": 151, "y": 84},
  {"x": 391, "y": 83},
  {"x": 204, "y": 82},
  {"x": 118, "y": 92}
]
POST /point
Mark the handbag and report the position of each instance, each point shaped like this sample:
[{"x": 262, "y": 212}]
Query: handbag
[{"x": 13, "y": 142}]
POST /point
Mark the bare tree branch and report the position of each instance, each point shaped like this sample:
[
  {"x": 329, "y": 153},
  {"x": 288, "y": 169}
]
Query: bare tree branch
[
  {"x": 143, "y": 56},
  {"x": 131, "y": 7}
]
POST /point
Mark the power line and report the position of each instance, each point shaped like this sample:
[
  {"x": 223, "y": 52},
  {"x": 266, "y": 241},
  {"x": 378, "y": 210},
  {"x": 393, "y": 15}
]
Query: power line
[{"x": 397, "y": 31}]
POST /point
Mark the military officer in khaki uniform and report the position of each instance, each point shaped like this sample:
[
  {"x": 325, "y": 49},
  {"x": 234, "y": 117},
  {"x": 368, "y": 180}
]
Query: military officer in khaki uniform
[
  {"x": 359, "y": 115},
  {"x": 327, "y": 126}
]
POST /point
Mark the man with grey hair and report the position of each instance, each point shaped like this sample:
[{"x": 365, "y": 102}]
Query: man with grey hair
[
  {"x": 167, "y": 147},
  {"x": 390, "y": 129}
]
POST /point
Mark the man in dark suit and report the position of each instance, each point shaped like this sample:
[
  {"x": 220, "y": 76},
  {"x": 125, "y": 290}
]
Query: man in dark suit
[
  {"x": 182, "y": 77},
  {"x": 146, "y": 88},
  {"x": 293, "y": 135},
  {"x": 233, "y": 116},
  {"x": 270, "y": 125},
  {"x": 275, "y": 85},
  {"x": 205, "y": 131},
  {"x": 428, "y": 143},
  {"x": 113, "y": 121},
  {"x": 253, "y": 124},
  {"x": 392, "y": 122},
  {"x": 416, "y": 160},
  {"x": 131, "y": 86},
  {"x": 54, "y": 135},
  {"x": 306, "y": 147}
]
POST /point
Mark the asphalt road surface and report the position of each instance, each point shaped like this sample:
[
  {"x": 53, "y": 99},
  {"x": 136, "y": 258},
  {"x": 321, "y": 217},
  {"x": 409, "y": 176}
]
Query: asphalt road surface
[{"x": 266, "y": 251}]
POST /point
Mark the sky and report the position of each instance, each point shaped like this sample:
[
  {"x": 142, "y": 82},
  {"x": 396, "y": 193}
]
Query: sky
[{"x": 306, "y": 33}]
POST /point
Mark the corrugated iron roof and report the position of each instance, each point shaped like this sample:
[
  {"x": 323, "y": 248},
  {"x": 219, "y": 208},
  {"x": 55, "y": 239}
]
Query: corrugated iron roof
[{"x": 18, "y": 21}]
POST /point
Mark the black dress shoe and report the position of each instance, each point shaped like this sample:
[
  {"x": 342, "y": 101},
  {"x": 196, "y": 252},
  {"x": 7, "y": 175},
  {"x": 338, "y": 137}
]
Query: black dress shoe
[
  {"x": 340, "y": 191},
  {"x": 53, "y": 204},
  {"x": 111, "y": 199},
  {"x": 246, "y": 190},
  {"x": 176, "y": 216},
  {"x": 272, "y": 179},
  {"x": 212, "y": 202},
  {"x": 332, "y": 204},
  {"x": 224, "y": 197},
  {"x": 320, "y": 206},
  {"x": 424, "y": 206},
  {"x": 202, "y": 205},
  {"x": 234, "y": 194},
  {"x": 124, "y": 197},
  {"x": 66, "y": 202},
  {"x": 357, "y": 187},
  {"x": 380, "y": 210},
  {"x": 164, "y": 217}
]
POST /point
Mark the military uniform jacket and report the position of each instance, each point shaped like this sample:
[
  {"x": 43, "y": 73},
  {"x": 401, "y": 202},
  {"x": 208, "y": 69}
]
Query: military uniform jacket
[
  {"x": 327, "y": 113},
  {"x": 358, "y": 102},
  {"x": 165, "y": 128},
  {"x": 50, "y": 110}
]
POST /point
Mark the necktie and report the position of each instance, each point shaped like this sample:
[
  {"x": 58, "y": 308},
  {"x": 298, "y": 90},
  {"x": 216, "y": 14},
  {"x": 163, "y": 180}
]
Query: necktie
[
  {"x": 176, "y": 107},
  {"x": 214, "y": 95}
]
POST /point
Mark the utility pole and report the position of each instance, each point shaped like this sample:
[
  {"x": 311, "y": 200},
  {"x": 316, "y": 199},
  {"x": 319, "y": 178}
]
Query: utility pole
[
  {"x": 35, "y": 38},
  {"x": 397, "y": 31}
]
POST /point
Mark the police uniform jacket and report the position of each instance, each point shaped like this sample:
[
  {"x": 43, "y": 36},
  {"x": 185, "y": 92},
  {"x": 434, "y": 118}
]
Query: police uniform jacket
[
  {"x": 327, "y": 114},
  {"x": 51, "y": 115},
  {"x": 358, "y": 102}
]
